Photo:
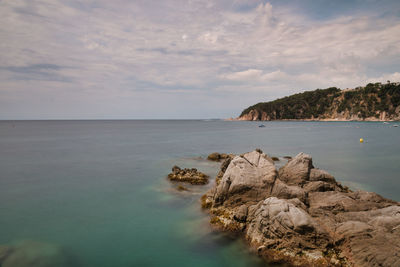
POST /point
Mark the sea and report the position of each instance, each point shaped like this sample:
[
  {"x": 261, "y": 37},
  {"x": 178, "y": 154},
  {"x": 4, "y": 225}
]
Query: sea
[{"x": 97, "y": 190}]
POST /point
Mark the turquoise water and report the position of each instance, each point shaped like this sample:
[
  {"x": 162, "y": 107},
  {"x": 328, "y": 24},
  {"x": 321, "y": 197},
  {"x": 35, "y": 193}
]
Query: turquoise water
[{"x": 98, "y": 188}]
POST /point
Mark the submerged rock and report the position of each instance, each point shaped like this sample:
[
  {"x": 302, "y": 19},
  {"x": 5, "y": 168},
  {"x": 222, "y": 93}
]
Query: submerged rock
[
  {"x": 218, "y": 156},
  {"x": 192, "y": 176},
  {"x": 33, "y": 254},
  {"x": 302, "y": 216}
]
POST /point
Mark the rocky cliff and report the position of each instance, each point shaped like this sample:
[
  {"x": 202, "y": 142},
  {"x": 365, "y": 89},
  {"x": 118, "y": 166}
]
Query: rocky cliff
[
  {"x": 301, "y": 216},
  {"x": 374, "y": 102}
]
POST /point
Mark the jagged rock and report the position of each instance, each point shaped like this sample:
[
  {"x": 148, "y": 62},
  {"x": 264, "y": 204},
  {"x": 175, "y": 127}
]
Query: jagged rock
[
  {"x": 192, "y": 176},
  {"x": 296, "y": 171},
  {"x": 302, "y": 216},
  {"x": 282, "y": 190},
  {"x": 318, "y": 186},
  {"x": 321, "y": 175},
  {"x": 247, "y": 178}
]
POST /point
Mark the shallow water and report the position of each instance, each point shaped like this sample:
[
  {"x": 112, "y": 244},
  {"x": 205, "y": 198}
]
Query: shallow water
[{"x": 98, "y": 188}]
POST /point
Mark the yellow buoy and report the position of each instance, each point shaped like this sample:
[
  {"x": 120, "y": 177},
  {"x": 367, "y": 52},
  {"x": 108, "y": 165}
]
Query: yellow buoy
[{"x": 361, "y": 140}]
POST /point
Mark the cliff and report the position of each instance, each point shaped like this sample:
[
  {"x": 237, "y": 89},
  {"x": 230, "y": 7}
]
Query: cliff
[{"x": 374, "y": 102}]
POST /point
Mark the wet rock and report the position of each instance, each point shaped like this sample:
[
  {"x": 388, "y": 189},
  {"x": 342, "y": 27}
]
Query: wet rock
[
  {"x": 5, "y": 251},
  {"x": 181, "y": 188},
  {"x": 218, "y": 156},
  {"x": 241, "y": 214},
  {"x": 192, "y": 176}
]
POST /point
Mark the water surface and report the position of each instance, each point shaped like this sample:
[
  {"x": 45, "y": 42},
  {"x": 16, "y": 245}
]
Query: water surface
[{"x": 98, "y": 188}]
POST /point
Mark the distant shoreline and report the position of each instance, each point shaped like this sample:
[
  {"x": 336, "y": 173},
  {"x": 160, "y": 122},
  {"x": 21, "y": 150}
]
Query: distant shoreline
[{"x": 318, "y": 120}]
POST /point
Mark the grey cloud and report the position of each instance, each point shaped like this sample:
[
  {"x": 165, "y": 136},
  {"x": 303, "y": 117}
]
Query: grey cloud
[
  {"x": 40, "y": 72},
  {"x": 184, "y": 52}
]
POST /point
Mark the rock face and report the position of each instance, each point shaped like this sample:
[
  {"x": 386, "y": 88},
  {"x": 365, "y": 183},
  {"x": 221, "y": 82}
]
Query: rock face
[
  {"x": 297, "y": 170},
  {"x": 247, "y": 178},
  {"x": 192, "y": 176},
  {"x": 302, "y": 216}
]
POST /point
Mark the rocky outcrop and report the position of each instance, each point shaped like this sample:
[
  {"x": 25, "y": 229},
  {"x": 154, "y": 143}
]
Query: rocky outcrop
[
  {"x": 301, "y": 216},
  {"x": 374, "y": 102},
  {"x": 192, "y": 176}
]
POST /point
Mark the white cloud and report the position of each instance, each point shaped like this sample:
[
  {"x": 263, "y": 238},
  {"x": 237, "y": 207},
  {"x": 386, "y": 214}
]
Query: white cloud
[
  {"x": 393, "y": 77},
  {"x": 247, "y": 75}
]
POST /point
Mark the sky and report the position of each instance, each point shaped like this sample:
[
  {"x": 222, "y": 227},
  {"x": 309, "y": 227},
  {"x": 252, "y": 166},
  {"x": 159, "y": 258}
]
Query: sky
[{"x": 186, "y": 59}]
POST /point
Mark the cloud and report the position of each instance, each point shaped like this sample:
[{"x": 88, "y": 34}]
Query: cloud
[
  {"x": 393, "y": 77},
  {"x": 121, "y": 49},
  {"x": 45, "y": 72},
  {"x": 254, "y": 75}
]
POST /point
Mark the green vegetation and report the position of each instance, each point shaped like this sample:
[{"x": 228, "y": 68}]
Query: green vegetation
[{"x": 363, "y": 102}]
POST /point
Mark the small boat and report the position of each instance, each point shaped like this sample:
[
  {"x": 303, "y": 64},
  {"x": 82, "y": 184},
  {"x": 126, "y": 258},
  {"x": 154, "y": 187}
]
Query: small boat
[
  {"x": 385, "y": 122},
  {"x": 261, "y": 125},
  {"x": 395, "y": 125}
]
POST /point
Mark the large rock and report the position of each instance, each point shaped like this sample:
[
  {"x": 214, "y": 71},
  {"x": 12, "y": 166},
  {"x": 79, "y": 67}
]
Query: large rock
[
  {"x": 297, "y": 170},
  {"x": 248, "y": 178},
  {"x": 302, "y": 216}
]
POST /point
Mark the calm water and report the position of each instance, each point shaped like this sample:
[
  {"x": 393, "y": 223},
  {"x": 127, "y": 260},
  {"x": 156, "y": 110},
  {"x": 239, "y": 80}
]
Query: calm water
[{"x": 98, "y": 188}]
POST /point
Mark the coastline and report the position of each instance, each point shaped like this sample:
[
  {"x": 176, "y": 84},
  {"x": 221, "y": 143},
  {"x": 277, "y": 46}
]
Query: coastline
[{"x": 318, "y": 120}]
